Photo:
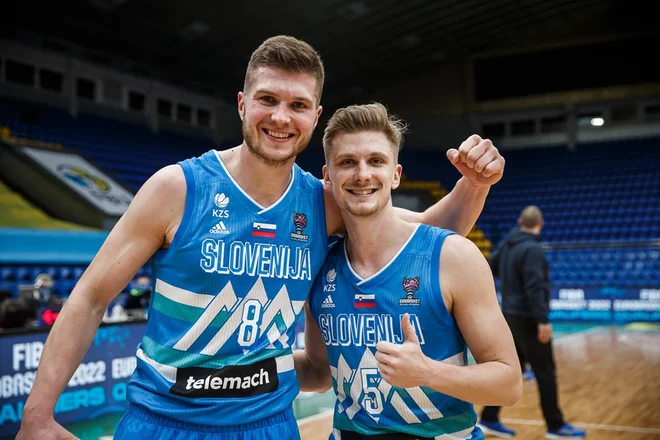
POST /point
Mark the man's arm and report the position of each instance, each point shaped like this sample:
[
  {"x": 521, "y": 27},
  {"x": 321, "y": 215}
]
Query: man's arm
[
  {"x": 536, "y": 288},
  {"x": 141, "y": 231},
  {"x": 458, "y": 211},
  {"x": 481, "y": 166},
  {"x": 312, "y": 366},
  {"x": 334, "y": 222},
  {"x": 495, "y": 259},
  {"x": 496, "y": 379},
  {"x": 534, "y": 284}
]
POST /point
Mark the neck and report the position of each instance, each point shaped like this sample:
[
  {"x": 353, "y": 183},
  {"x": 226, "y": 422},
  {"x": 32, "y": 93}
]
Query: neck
[
  {"x": 534, "y": 230},
  {"x": 265, "y": 183},
  {"x": 373, "y": 241}
]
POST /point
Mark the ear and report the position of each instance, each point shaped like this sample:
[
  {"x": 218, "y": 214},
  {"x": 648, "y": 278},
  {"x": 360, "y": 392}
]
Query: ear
[
  {"x": 318, "y": 115},
  {"x": 241, "y": 105},
  {"x": 396, "y": 180},
  {"x": 326, "y": 175}
]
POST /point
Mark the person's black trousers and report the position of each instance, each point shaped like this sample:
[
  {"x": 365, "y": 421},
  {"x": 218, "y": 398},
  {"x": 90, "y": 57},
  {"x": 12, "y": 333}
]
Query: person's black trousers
[{"x": 541, "y": 359}]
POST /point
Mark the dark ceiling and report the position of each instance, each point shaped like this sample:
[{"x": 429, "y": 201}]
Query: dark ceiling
[{"x": 367, "y": 45}]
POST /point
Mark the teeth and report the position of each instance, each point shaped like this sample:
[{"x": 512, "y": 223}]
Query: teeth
[
  {"x": 278, "y": 135},
  {"x": 362, "y": 192}
]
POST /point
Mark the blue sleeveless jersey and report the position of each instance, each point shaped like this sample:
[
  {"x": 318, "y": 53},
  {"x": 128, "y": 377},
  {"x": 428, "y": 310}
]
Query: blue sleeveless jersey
[
  {"x": 354, "y": 314},
  {"x": 227, "y": 295}
]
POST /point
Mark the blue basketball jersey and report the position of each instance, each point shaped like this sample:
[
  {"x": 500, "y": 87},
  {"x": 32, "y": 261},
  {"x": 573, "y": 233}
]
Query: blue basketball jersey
[
  {"x": 227, "y": 295},
  {"x": 354, "y": 314}
]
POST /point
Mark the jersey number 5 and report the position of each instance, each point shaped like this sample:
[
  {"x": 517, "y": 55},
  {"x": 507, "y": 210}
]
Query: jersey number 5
[{"x": 372, "y": 399}]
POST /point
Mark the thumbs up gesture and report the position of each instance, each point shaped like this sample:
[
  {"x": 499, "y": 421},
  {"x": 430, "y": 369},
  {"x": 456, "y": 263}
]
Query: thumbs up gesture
[
  {"x": 403, "y": 365},
  {"x": 478, "y": 160}
]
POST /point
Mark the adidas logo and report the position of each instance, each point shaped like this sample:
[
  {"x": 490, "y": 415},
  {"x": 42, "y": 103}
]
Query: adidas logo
[
  {"x": 219, "y": 229},
  {"x": 328, "y": 303}
]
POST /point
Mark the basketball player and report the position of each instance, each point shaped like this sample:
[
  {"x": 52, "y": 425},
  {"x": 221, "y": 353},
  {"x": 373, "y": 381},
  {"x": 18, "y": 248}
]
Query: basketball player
[
  {"x": 397, "y": 305},
  {"x": 237, "y": 238}
]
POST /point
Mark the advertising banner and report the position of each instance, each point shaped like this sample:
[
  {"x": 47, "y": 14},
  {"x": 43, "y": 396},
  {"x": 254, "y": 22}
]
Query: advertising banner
[
  {"x": 97, "y": 387},
  {"x": 605, "y": 304},
  {"x": 85, "y": 179}
]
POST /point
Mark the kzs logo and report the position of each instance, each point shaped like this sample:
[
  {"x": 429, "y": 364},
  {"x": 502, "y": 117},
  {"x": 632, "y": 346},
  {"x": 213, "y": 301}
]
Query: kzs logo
[
  {"x": 221, "y": 201},
  {"x": 330, "y": 278}
]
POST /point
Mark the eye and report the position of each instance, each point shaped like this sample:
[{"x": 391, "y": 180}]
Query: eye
[
  {"x": 377, "y": 161},
  {"x": 346, "y": 162},
  {"x": 267, "y": 99},
  {"x": 299, "y": 105}
]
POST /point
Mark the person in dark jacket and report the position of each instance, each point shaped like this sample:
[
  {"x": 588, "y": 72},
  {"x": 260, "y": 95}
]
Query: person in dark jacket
[{"x": 520, "y": 264}]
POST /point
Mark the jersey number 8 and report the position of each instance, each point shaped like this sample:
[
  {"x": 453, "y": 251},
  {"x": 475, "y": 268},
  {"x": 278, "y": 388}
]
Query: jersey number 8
[{"x": 249, "y": 330}]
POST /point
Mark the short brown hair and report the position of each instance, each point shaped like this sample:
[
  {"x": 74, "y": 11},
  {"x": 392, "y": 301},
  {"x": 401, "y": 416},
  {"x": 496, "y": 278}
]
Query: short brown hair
[
  {"x": 530, "y": 217},
  {"x": 287, "y": 53},
  {"x": 368, "y": 117}
]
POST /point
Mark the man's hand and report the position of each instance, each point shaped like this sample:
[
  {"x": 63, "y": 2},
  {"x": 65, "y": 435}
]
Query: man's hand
[
  {"x": 403, "y": 365},
  {"x": 545, "y": 333},
  {"x": 40, "y": 429},
  {"x": 478, "y": 160}
]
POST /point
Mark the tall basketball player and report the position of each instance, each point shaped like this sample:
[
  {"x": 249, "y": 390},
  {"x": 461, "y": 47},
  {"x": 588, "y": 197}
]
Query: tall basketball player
[
  {"x": 397, "y": 305},
  {"x": 237, "y": 238}
]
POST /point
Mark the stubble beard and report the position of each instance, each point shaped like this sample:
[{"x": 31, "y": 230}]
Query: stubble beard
[
  {"x": 362, "y": 212},
  {"x": 252, "y": 142}
]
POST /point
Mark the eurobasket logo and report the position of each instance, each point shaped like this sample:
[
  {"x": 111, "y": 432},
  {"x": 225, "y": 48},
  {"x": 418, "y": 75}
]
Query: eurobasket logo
[
  {"x": 300, "y": 223},
  {"x": 83, "y": 178},
  {"x": 410, "y": 286}
]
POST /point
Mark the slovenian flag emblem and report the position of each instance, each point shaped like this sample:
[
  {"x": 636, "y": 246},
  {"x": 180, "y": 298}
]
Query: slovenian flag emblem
[
  {"x": 365, "y": 301},
  {"x": 263, "y": 229}
]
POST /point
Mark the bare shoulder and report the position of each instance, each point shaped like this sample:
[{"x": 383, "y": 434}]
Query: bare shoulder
[
  {"x": 333, "y": 219},
  {"x": 163, "y": 188},
  {"x": 463, "y": 266},
  {"x": 160, "y": 202},
  {"x": 169, "y": 178},
  {"x": 459, "y": 250}
]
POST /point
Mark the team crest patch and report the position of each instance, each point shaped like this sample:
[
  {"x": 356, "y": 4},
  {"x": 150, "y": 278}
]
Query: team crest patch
[
  {"x": 410, "y": 286},
  {"x": 300, "y": 223},
  {"x": 330, "y": 277}
]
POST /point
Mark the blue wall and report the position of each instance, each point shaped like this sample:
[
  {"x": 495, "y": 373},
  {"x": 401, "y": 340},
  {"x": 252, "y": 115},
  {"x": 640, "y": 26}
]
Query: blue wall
[{"x": 24, "y": 246}]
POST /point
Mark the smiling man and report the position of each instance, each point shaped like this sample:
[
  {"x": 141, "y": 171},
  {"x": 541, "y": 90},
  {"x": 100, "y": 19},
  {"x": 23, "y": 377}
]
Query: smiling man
[
  {"x": 237, "y": 237},
  {"x": 397, "y": 305}
]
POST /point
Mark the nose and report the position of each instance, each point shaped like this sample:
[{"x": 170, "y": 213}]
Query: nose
[
  {"x": 362, "y": 172},
  {"x": 281, "y": 114}
]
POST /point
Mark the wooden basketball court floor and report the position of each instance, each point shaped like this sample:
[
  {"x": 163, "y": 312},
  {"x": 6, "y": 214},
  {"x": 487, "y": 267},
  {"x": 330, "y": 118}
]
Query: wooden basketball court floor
[
  {"x": 608, "y": 378},
  {"x": 609, "y": 384}
]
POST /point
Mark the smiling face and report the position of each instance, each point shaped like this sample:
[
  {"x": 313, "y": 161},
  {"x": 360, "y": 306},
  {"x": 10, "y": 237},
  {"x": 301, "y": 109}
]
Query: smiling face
[
  {"x": 363, "y": 171},
  {"x": 279, "y": 112}
]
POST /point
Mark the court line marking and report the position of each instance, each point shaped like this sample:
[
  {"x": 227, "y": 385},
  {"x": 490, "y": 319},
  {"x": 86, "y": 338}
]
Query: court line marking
[
  {"x": 315, "y": 417},
  {"x": 587, "y": 426}
]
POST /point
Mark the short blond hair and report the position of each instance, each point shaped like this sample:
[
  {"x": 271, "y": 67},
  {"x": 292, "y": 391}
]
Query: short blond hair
[
  {"x": 367, "y": 117},
  {"x": 530, "y": 217},
  {"x": 287, "y": 53}
]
